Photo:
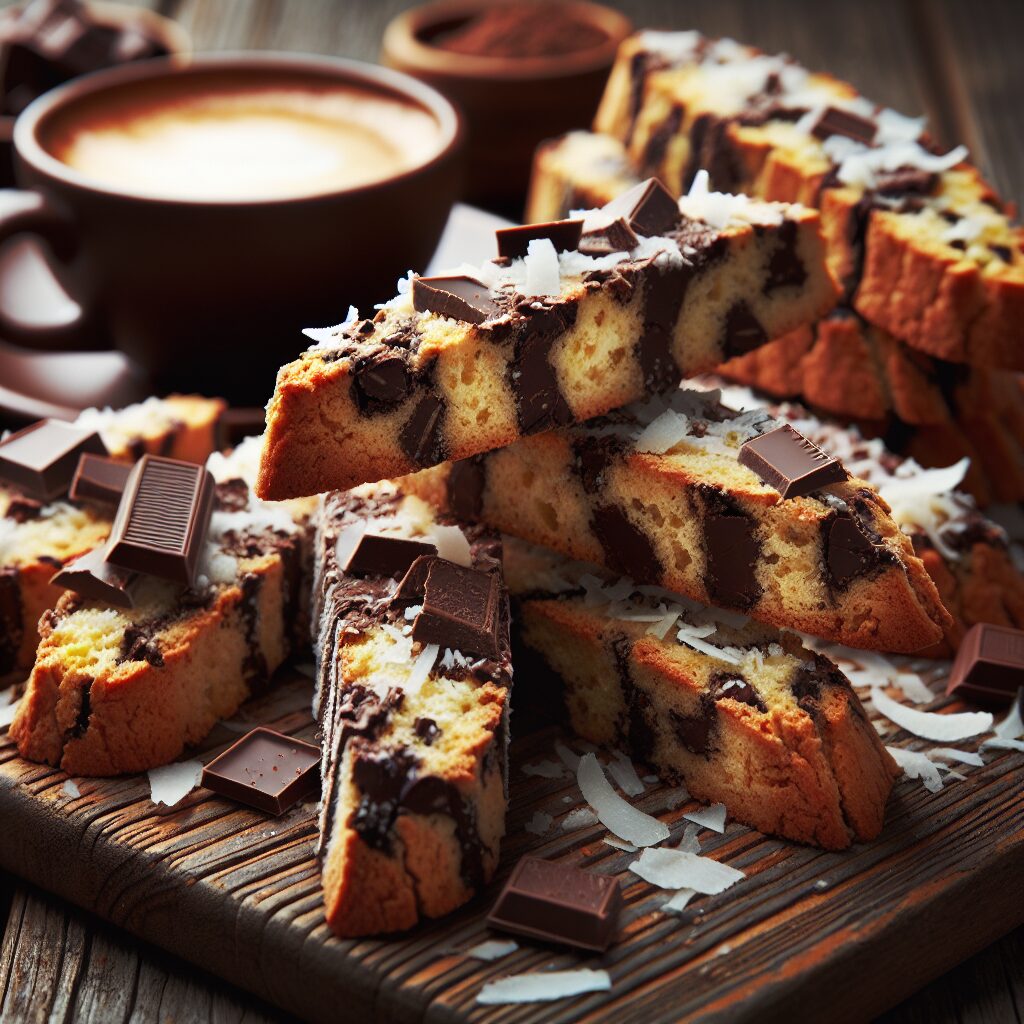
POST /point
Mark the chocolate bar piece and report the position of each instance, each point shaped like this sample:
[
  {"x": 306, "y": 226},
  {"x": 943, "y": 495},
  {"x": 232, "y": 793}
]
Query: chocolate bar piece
[
  {"x": 989, "y": 666},
  {"x": 379, "y": 554},
  {"x": 791, "y": 463},
  {"x": 603, "y": 235},
  {"x": 558, "y": 903},
  {"x": 100, "y": 480},
  {"x": 461, "y": 609},
  {"x": 563, "y": 234},
  {"x": 842, "y": 122},
  {"x": 461, "y": 298},
  {"x": 94, "y": 578},
  {"x": 41, "y": 459},
  {"x": 162, "y": 520},
  {"x": 266, "y": 770},
  {"x": 648, "y": 208}
]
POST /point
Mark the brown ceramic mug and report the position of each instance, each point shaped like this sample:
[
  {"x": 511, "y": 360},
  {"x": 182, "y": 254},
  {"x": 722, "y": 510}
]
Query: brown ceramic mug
[{"x": 205, "y": 276}]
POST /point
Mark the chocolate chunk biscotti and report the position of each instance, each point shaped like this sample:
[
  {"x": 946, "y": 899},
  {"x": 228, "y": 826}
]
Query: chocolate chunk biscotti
[
  {"x": 659, "y": 491},
  {"x": 739, "y": 712},
  {"x": 38, "y": 536},
  {"x": 119, "y": 689},
  {"x": 921, "y": 243},
  {"x": 578, "y": 319},
  {"x": 414, "y": 676}
]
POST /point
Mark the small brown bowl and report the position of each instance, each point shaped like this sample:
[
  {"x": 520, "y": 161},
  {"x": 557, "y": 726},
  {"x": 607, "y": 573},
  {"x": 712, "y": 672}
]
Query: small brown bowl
[{"x": 509, "y": 104}]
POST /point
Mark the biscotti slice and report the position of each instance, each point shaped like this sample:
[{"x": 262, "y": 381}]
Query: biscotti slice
[
  {"x": 414, "y": 676},
  {"x": 472, "y": 361},
  {"x": 740, "y": 713},
  {"x": 117, "y": 690},
  {"x": 967, "y": 555},
  {"x": 657, "y": 492},
  {"x": 37, "y": 538},
  {"x": 921, "y": 242}
]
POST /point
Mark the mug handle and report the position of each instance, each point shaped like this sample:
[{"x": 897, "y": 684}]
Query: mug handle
[{"x": 28, "y": 212}]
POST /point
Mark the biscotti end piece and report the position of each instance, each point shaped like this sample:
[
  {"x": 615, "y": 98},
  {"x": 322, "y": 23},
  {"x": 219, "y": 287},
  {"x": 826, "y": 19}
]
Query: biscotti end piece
[
  {"x": 480, "y": 357},
  {"x": 655, "y": 491},
  {"x": 738, "y": 712},
  {"x": 414, "y": 733}
]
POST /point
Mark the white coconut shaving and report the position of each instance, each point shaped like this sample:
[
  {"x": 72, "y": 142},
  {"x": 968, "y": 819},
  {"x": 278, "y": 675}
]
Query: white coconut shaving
[
  {"x": 568, "y": 757},
  {"x": 720, "y": 209},
  {"x": 624, "y": 774},
  {"x": 170, "y": 784},
  {"x": 492, "y": 949},
  {"x": 918, "y": 765},
  {"x": 619, "y": 817},
  {"x": 677, "y": 869},
  {"x": 420, "y": 671},
  {"x": 620, "y": 844},
  {"x": 860, "y": 165},
  {"x": 70, "y": 788},
  {"x": 924, "y": 499},
  {"x": 545, "y": 770},
  {"x": 960, "y": 756},
  {"x": 674, "y": 47},
  {"x": 663, "y": 433},
  {"x": 542, "y": 271},
  {"x": 690, "y": 843},
  {"x": 452, "y": 544},
  {"x": 712, "y": 817},
  {"x": 1001, "y": 744},
  {"x": 677, "y": 904},
  {"x": 543, "y": 986},
  {"x": 1012, "y": 726},
  {"x": 928, "y": 724},
  {"x": 540, "y": 824},
  {"x": 577, "y": 818},
  {"x": 913, "y": 687},
  {"x": 330, "y": 337}
]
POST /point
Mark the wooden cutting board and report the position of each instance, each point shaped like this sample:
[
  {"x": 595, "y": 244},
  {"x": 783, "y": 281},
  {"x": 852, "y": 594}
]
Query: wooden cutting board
[{"x": 807, "y": 932}]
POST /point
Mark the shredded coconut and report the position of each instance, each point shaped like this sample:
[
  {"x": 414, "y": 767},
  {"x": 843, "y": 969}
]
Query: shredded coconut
[
  {"x": 619, "y": 817},
  {"x": 543, "y": 986}
]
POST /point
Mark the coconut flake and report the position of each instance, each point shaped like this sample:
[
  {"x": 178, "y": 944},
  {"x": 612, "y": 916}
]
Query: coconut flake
[
  {"x": 1001, "y": 744},
  {"x": 677, "y": 869},
  {"x": 421, "y": 669},
  {"x": 173, "y": 782},
  {"x": 452, "y": 544},
  {"x": 1012, "y": 726},
  {"x": 690, "y": 843},
  {"x": 677, "y": 904},
  {"x": 492, "y": 949},
  {"x": 913, "y": 687},
  {"x": 544, "y": 770},
  {"x": 928, "y": 724},
  {"x": 543, "y": 986},
  {"x": 918, "y": 765},
  {"x": 618, "y": 816},
  {"x": 620, "y": 844},
  {"x": 712, "y": 817},
  {"x": 541, "y": 264},
  {"x": 70, "y": 788},
  {"x": 331, "y": 337},
  {"x": 579, "y": 817},
  {"x": 569, "y": 758},
  {"x": 663, "y": 433},
  {"x": 539, "y": 824},
  {"x": 962, "y": 756},
  {"x": 625, "y": 775}
]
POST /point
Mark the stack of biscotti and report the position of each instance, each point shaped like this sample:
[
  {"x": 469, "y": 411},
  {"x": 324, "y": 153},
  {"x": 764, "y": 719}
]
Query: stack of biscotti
[
  {"x": 124, "y": 683},
  {"x": 414, "y": 679},
  {"x": 37, "y": 537},
  {"x": 966, "y": 554},
  {"x": 924, "y": 349}
]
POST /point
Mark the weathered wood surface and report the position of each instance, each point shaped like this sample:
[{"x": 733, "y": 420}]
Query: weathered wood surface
[{"x": 238, "y": 894}]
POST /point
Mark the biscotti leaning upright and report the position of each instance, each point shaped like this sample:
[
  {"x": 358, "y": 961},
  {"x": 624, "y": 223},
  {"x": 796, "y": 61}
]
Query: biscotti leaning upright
[
  {"x": 413, "y": 683},
  {"x": 575, "y": 319},
  {"x": 921, "y": 242}
]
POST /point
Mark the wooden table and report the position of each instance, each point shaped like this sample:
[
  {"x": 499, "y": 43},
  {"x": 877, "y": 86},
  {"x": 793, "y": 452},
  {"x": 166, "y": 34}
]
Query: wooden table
[{"x": 957, "y": 62}]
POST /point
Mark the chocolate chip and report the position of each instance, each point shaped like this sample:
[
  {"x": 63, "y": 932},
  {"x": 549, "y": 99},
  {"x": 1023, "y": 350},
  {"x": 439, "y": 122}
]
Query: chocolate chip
[
  {"x": 711, "y": 149},
  {"x": 648, "y": 208},
  {"x": 743, "y": 331},
  {"x": 513, "y": 243},
  {"x": 461, "y": 609},
  {"x": 22, "y": 509},
  {"x": 849, "y": 552},
  {"x": 422, "y": 436},
  {"x": 382, "y": 382},
  {"x": 466, "y": 482},
  {"x": 427, "y": 730},
  {"x": 664, "y": 292},
  {"x": 540, "y": 404},
  {"x": 735, "y": 687},
  {"x": 731, "y": 550},
  {"x": 694, "y": 731},
  {"x": 593, "y": 457},
  {"x": 785, "y": 268},
  {"x": 834, "y": 121},
  {"x": 461, "y": 298},
  {"x": 658, "y": 141},
  {"x": 791, "y": 463},
  {"x": 627, "y": 548}
]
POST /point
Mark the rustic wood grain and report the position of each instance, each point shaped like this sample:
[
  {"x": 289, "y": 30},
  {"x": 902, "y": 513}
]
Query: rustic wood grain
[{"x": 238, "y": 894}]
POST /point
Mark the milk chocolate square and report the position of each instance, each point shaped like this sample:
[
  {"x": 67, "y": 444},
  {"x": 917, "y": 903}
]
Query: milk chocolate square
[
  {"x": 41, "y": 459},
  {"x": 989, "y": 665}
]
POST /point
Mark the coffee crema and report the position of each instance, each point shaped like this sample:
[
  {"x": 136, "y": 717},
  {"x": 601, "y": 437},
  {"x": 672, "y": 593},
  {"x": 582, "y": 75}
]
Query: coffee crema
[{"x": 219, "y": 141}]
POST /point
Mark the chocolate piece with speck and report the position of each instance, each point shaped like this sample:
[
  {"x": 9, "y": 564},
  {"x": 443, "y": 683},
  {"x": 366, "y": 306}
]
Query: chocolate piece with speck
[
  {"x": 266, "y": 770},
  {"x": 989, "y": 665},
  {"x": 461, "y": 298},
  {"x": 41, "y": 459},
  {"x": 91, "y": 576},
  {"x": 558, "y": 903},
  {"x": 461, "y": 609},
  {"x": 563, "y": 234},
  {"x": 99, "y": 480},
  {"x": 163, "y": 518},
  {"x": 786, "y": 460}
]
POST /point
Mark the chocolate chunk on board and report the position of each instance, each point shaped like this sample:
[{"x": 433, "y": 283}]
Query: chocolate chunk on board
[
  {"x": 162, "y": 520},
  {"x": 989, "y": 666},
  {"x": 91, "y": 576},
  {"x": 842, "y": 122},
  {"x": 461, "y": 298},
  {"x": 41, "y": 459},
  {"x": 558, "y": 903},
  {"x": 563, "y": 234},
  {"x": 379, "y": 554},
  {"x": 98, "y": 479},
  {"x": 791, "y": 463},
  {"x": 648, "y": 208},
  {"x": 461, "y": 609},
  {"x": 266, "y": 770}
]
